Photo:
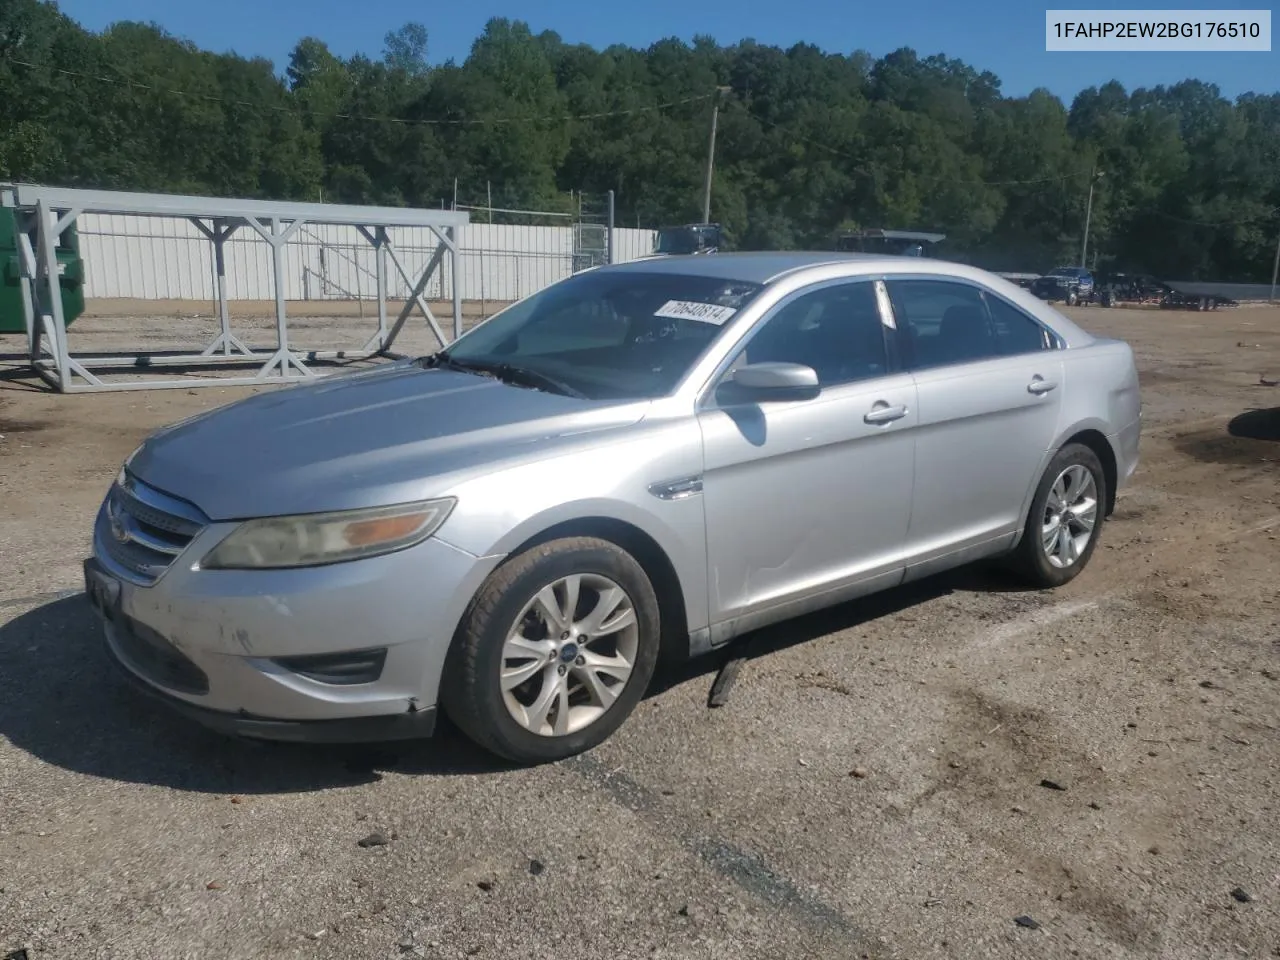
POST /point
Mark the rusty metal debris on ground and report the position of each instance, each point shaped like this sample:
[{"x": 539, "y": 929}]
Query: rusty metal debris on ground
[{"x": 727, "y": 676}]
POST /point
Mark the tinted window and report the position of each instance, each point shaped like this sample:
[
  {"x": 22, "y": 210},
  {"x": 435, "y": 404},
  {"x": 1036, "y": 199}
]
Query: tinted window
[
  {"x": 835, "y": 330},
  {"x": 576, "y": 325},
  {"x": 611, "y": 334},
  {"x": 942, "y": 322},
  {"x": 1015, "y": 331}
]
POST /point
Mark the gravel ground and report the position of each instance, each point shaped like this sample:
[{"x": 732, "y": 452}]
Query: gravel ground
[{"x": 874, "y": 787}]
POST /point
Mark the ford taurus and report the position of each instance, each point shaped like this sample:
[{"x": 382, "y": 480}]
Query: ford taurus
[{"x": 640, "y": 462}]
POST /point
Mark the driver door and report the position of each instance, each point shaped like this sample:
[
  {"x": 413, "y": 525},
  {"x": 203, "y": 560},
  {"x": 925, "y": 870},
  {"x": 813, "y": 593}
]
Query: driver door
[{"x": 807, "y": 501}]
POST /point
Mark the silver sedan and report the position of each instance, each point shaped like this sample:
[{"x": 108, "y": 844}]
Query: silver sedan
[{"x": 640, "y": 462}]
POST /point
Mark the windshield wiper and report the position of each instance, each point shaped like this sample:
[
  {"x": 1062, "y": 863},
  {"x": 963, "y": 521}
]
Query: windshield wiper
[{"x": 506, "y": 372}]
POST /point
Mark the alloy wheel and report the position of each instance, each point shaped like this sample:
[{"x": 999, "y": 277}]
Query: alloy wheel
[
  {"x": 1070, "y": 516},
  {"x": 569, "y": 654}
]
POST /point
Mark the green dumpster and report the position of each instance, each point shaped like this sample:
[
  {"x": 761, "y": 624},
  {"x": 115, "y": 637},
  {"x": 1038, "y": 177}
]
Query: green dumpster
[{"x": 70, "y": 274}]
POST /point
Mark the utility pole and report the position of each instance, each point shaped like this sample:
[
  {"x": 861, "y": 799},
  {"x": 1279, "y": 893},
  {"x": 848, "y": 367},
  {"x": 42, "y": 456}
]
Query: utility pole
[
  {"x": 711, "y": 154},
  {"x": 609, "y": 238},
  {"x": 1094, "y": 176},
  {"x": 1275, "y": 271}
]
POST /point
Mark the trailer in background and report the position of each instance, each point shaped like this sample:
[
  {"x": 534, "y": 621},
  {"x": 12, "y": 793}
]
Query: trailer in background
[
  {"x": 894, "y": 243},
  {"x": 1023, "y": 280},
  {"x": 1145, "y": 290}
]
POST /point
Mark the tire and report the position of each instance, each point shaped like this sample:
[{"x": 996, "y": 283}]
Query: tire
[
  {"x": 472, "y": 690},
  {"x": 1072, "y": 298},
  {"x": 1030, "y": 560}
]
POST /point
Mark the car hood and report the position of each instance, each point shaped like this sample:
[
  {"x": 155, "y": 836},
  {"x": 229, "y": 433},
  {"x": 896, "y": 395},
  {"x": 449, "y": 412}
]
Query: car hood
[{"x": 376, "y": 437}]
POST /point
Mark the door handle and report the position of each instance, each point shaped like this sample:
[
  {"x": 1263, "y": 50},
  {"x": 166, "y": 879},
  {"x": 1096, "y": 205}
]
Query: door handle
[
  {"x": 1040, "y": 386},
  {"x": 883, "y": 413}
]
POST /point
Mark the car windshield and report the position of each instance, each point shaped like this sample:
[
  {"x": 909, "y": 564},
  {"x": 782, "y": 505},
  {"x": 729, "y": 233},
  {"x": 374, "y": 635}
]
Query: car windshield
[
  {"x": 1067, "y": 272},
  {"x": 604, "y": 335}
]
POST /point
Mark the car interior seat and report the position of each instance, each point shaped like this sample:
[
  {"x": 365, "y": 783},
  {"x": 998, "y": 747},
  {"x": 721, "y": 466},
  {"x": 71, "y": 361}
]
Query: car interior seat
[
  {"x": 963, "y": 334},
  {"x": 848, "y": 343}
]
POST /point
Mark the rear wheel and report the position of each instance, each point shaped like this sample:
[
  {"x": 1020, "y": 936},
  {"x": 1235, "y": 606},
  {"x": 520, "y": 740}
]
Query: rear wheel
[
  {"x": 555, "y": 652},
  {"x": 1064, "y": 520}
]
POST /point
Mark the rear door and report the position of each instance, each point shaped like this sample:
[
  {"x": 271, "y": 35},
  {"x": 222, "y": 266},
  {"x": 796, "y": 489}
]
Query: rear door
[{"x": 989, "y": 382}]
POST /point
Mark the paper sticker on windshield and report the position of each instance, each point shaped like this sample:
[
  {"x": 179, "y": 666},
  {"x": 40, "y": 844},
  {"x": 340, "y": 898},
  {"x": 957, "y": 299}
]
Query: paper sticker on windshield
[{"x": 692, "y": 310}]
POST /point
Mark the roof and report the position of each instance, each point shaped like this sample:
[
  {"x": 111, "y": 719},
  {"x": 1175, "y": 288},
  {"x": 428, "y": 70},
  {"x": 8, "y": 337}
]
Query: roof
[
  {"x": 766, "y": 267},
  {"x": 746, "y": 267}
]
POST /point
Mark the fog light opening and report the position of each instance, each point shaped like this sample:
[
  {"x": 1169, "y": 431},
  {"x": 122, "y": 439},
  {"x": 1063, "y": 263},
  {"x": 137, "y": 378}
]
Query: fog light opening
[{"x": 338, "y": 669}]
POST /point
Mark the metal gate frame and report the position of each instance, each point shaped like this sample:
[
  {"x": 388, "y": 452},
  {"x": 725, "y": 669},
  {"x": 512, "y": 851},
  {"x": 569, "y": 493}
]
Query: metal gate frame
[{"x": 53, "y": 209}]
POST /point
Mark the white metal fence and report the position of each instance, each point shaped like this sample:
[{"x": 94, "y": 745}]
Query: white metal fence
[{"x": 153, "y": 258}]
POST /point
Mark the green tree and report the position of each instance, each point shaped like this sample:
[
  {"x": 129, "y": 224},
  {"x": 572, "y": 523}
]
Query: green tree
[{"x": 808, "y": 140}]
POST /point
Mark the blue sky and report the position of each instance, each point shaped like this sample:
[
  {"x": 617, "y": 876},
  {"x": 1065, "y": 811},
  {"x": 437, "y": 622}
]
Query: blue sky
[{"x": 1006, "y": 37}]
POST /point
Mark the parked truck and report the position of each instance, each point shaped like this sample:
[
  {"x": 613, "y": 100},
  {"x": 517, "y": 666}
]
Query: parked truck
[{"x": 690, "y": 238}]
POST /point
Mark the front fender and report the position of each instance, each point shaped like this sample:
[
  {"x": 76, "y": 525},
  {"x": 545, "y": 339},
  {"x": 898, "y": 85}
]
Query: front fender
[{"x": 498, "y": 512}]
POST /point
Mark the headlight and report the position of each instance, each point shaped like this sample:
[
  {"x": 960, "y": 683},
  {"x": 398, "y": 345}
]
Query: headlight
[
  {"x": 124, "y": 467},
  {"x": 318, "y": 538}
]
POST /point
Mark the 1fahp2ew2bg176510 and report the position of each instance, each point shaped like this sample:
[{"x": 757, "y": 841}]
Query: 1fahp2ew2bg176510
[{"x": 1158, "y": 30}]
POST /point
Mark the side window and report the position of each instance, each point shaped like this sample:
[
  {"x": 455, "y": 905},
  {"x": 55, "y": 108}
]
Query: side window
[
  {"x": 1015, "y": 332},
  {"x": 942, "y": 322},
  {"x": 836, "y": 330}
]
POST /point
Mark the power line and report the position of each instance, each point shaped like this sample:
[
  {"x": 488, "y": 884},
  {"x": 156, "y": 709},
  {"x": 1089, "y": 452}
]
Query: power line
[
  {"x": 1223, "y": 223},
  {"x": 405, "y": 121},
  {"x": 923, "y": 176}
]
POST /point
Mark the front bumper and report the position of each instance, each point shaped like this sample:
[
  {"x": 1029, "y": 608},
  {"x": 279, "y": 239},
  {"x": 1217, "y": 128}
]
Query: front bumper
[
  {"x": 207, "y": 642},
  {"x": 1055, "y": 292},
  {"x": 418, "y": 724}
]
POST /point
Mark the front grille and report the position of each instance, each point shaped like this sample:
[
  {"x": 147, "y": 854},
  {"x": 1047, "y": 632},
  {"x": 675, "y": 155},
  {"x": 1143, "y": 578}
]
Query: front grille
[
  {"x": 155, "y": 658},
  {"x": 143, "y": 530}
]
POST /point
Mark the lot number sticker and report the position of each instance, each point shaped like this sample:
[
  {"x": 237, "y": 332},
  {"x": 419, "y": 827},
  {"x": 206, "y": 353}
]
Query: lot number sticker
[{"x": 691, "y": 310}]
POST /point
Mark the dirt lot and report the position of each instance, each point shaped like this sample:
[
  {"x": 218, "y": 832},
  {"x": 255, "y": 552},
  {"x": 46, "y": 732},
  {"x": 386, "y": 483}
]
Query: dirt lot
[{"x": 1148, "y": 689}]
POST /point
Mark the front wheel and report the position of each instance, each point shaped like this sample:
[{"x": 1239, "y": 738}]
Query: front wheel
[
  {"x": 555, "y": 651},
  {"x": 1063, "y": 523},
  {"x": 1072, "y": 298}
]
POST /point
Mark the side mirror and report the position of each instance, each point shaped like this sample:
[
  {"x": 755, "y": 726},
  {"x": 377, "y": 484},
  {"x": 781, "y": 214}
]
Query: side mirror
[{"x": 771, "y": 381}]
